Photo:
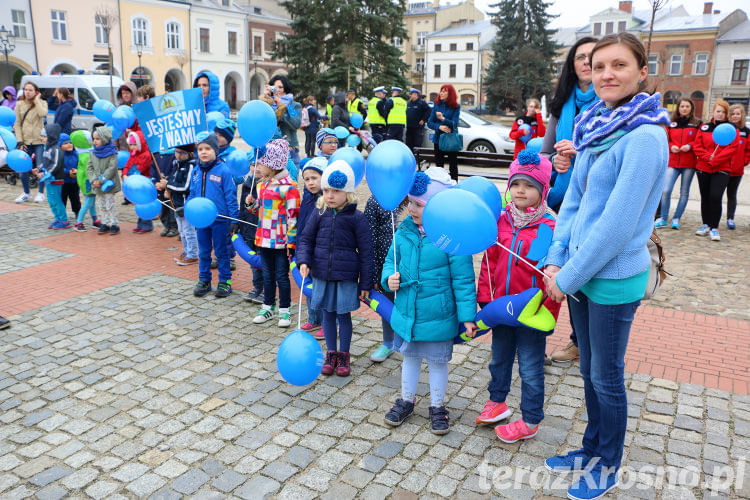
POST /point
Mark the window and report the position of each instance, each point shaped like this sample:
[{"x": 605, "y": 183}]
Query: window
[
  {"x": 140, "y": 32},
  {"x": 102, "y": 38},
  {"x": 225, "y": 3},
  {"x": 675, "y": 64},
  {"x": 232, "y": 42},
  {"x": 420, "y": 65},
  {"x": 653, "y": 64},
  {"x": 597, "y": 29},
  {"x": 739, "y": 71},
  {"x": 671, "y": 98},
  {"x": 19, "y": 23},
  {"x": 258, "y": 45},
  {"x": 85, "y": 98},
  {"x": 470, "y": 46},
  {"x": 467, "y": 100},
  {"x": 622, "y": 26},
  {"x": 59, "y": 26},
  {"x": 454, "y": 47},
  {"x": 438, "y": 47},
  {"x": 609, "y": 28},
  {"x": 452, "y": 71},
  {"x": 205, "y": 38},
  {"x": 397, "y": 41},
  {"x": 420, "y": 38},
  {"x": 174, "y": 36},
  {"x": 468, "y": 72},
  {"x": 436, "y": 74},
  {"x": 701, "y": 64}
]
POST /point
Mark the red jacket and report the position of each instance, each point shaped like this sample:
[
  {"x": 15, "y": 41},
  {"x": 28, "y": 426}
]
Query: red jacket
[
  {"x": 537, "y": 130},
  {"x": 705, "y": 146},
  {"x": 509, "y": 275},
  {"x": 742, "y": 155},
  {"x": 681, "y": 133},
  {"x": 141, "y": 157}
]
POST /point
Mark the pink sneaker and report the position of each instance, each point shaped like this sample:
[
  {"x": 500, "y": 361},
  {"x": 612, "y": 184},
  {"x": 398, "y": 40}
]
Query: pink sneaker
[
  {"x": 309, "y": 326},
  {"x": 515, "y": 431},
  {"x": 493, "y": 412},
  {"x": 319, "y": 335}
]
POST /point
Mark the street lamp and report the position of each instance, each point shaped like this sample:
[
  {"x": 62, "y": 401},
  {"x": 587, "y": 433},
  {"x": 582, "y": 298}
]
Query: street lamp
[
  {"x": 139, "y": 71},
  {"x": 256, "y": 57},
  {"x": 8, "y": 43}
]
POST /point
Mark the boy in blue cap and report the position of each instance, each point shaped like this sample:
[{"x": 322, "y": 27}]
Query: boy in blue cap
[{"x": 70, "y": 189}]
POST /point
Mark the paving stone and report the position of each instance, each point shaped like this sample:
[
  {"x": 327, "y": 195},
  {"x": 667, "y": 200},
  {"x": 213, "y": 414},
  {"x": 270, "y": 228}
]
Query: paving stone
[
  {"x": 145, "y": 485},
  {"x": 52, "y": 492},
  {"x": 279, "y": 471},
  {"x": 228, "y": 481},
  {"x": 357, "y": 477},
  {"x": 388, "y": 449},
  {"x": 258, "y": 487},
  {"x": 80, "y": 478},
  {"x": 101, "y": 489},
  {"x": 49, "y": 476},
  {"x": 372, "y": 463},
  {"x": 189, "y": 482}
]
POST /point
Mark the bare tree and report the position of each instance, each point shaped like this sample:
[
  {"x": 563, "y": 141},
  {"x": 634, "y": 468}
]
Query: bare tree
[
  {"x": 108, "y": 19},
  {"x": 656, "y": 6}
]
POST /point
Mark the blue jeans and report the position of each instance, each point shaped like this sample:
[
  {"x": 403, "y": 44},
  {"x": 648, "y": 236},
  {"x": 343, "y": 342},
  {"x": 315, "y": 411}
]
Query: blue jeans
[
  {"x": 37, "y": 150},
  {"x": 188, "y": 237},
  {"x": 314, "y": 316},
  {"x": 672, "y": 175},
  {"x": 54, "y": 198},
  {"x": 603, "y": 332},
  {"x": 89, "y": 205},
  {"x": 145, "y": 224},
  {"x": 214, "y": 237},
  {"x": 530, "y": 346},
  {"x": 276, "y": 271}
]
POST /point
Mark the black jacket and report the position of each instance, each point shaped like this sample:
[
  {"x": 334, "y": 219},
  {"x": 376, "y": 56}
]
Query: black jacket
[
  {"x": 246, "y": 231},
  {"x": 178, "y": 181},
  {"x": 64, "y": 115},
  {"x": 417, "y": 111},
  {"x": 339, "y": 113}
]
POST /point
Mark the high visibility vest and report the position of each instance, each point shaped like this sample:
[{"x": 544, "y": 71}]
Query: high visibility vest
[
  {"x": 397, "y": 115},
  {"x": 372, "y": 112},
  {"x": 353, "y": 106},
  {"x": 329, "y": 110}
]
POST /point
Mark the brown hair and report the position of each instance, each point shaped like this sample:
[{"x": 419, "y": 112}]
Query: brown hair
[
  {"x": 64, "y": 93},
  {"x": 743, "y": 115},
  {"x": 308, "y": 100},
  {"x": 23, "y": 96},
  {"x": 638, "y": 51},
  {"x": 676, "y": 112},
  {"x": 724, "y": 104},
  {"x": 145, "y": 92}
]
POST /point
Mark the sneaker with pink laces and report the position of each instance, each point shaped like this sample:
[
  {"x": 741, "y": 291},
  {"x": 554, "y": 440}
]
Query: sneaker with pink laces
[
  {"x": 309, "y": 326},
  {"x": 515, "y": 431},
  {"x": 493, "y": 412},
  {"x": 319, "y": 335}
]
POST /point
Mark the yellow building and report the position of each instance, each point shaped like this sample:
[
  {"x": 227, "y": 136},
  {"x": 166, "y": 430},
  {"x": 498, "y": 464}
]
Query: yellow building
[{"x": 155, "y": 43}]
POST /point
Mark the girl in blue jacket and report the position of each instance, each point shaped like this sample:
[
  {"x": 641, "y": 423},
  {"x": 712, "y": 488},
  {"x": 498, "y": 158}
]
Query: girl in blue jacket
[
  {"x": 336, "y": 246},
  {"x": 434, "y": 292}
]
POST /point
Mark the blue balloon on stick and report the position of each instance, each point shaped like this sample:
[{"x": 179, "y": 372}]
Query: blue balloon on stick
[
  {"x": 356, "y": 120},
  {"x": 139, "y": 189},
  {"x": 355, "y": 160},
  {"x": 390, "y": 171},
  {"x": 341, "y": 132},
  {"x": 148, "y": 210},
  {"x": 122, "y": 159},
  {"x": 103, "y": 110},
  {"x": 535, "y": 144},
  {"x": 200, "y": 212},
  {"x": 353, "y": 140},
  {"x": 724, "y": 134},
  {"x": 238, "y": 163},
  {"x": 123, "y": 117},
  {"x": 256, "y": 122},
  {"x": 19, "y": 160},
  {"x": 300, "y": 358},
  {"x": 9, "y": 138},
  {"x": 465, "y": 231},
  {"x": 212, "y": 118},
  {"x": 487, "y": 192},
  {"x": 526, "y": 128},
  {"x": 7, "y": 116}
]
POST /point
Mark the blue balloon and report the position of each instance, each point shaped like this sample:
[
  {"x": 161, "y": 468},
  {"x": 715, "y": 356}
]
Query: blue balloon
[
  {"x": 212, "y": 118},
  {"x": 139, "y": 189},
  {"x": 9, "y": 138},
  {"x": 356, "y": 120},
  {"x": 535, "y": 144},
  {"x": 300, "y": 358},
  {"x": 256, "y": 122},
  {"x": 526, "y": 127},
  {"x": 238, "y": 163},
  {"x": 122, "y": 159},
  {"x": 117, "y": 132},
  {"x": 487, "y": 192},
  {"x": 355, "y": 160},
  {"x": 123, "y": 117},
  {"x": 341, "y": 132},
  {"x": 200, "y": 212},
  {"x": 458, "y": 222},
  {"x": 19, "y": 160},
  {"x": 390, "y": 172},
  {"x": 103, "y": 110},
  {"x": 149, "y": 210},
  {"x": 724, "y": 134},
  {"x": 7, "y": 116},
  {"x": 353, "y": 140}
]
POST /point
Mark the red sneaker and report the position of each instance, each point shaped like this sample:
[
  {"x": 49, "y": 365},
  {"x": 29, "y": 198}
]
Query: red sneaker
[
  {"x": 319, "y": 335},
  {"x": 329, "y": 365},
  {"x": 493, "y": 412},
  {"x": 515, "y": 431},
  {"x": 309, "y": 326}
]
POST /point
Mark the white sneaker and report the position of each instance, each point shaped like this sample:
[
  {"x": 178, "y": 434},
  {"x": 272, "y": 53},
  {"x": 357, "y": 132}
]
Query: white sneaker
[
  {"x": 284, "y": 317},
  {"x": 715, "y": 235},
  {"x": 23, "y": 198},
  {"x": 703, "y": 231},
  {"x": 265, "y": 314},
  {"x": 39, "y": 198}
]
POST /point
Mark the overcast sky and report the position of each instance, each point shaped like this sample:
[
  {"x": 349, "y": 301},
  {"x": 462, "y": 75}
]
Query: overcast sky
[{"x": 575, "y": 13}]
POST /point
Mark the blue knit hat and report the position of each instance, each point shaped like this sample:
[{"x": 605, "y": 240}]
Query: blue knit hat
[
  {"x": 323, "y": 134},
  {"x": 319, "y": 163},
  {"x": 63, "y": 139},
  {"x": 207, "y": 138},
  {"x": 226, "y": 129}
]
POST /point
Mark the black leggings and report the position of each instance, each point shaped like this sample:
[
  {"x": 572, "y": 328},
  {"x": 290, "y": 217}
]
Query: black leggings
[
  {"x": 712, "y": 188},
  {"x": 732, "y": 187},
  {"x": 452, "y": 160},
  {"x": 70, "y": 192}
]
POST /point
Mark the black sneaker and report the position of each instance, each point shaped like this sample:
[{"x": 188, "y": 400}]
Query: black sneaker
[
  {"x": 103, "y": 229},
  {"x": 214, "y": 263},
  {"x": 172, "y": 233},
  {"x": 223, "y": 290},
  {"x": 399, "y": 412},
  {"x": 115, "y": 229},
  {"x": 164, "y": 233},
  {"x": 255, "y": 297},
  {"x": 439, "y": 420},
  {"x": 202, "y": 288},
  {"x": 232, "y": 265},
  {"x": 126, "y": 202}
]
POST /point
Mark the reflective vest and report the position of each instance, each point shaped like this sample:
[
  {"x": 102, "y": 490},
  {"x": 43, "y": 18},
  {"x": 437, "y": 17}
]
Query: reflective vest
[
  {"x": 397, "y": 114},
  {"x": 329, "y": 110},
  {"x": 353, "y": 106},
  {"x": 372, "y": 112}
]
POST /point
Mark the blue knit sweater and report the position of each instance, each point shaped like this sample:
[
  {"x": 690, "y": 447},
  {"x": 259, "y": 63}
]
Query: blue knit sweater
[{"x": 607, "y": 216}]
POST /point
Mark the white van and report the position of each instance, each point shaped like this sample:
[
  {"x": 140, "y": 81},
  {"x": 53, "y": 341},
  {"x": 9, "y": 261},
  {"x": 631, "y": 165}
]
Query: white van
[{"x": 86, "y": 90}]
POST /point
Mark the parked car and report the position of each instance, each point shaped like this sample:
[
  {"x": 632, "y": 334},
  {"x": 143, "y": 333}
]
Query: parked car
[{"x": 480, "y": 135}]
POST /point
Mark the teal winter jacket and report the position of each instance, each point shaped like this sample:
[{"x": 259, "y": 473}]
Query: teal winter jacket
[{"x": 436, "y": 291}]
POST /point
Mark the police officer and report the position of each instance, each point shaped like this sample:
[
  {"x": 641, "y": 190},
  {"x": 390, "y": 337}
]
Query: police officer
[
  {"x": 395, "y": 115},
  {"x": 376, "y": 110},
  {"x": 417, "y": 113},
  {"x": 354, "y": 105}
]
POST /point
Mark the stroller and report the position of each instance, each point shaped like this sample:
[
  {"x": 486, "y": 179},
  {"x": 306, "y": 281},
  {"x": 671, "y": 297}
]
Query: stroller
[{"x": 11, "y": 176}]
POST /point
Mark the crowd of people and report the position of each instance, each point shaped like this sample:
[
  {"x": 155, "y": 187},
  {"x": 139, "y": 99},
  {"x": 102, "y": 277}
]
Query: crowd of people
[{"x": 595, "y": 184}]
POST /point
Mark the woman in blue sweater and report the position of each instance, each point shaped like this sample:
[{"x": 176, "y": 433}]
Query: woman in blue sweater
[
  {"x": 443, "y": 120},
  {"x": 599, "y": 254}
]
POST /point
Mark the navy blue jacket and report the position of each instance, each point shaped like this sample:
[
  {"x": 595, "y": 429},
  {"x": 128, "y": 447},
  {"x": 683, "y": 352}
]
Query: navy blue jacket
[
  {"x": 70, "y": 161},
  {"x": 338, "y": 246},
  {"x": 417, "y": 111},
  {"x": 64, "y": 115},
  {"x": 178, "y": 181},
  {"x": 306, "y": 208},
  {"x": 248, "y": 232}
]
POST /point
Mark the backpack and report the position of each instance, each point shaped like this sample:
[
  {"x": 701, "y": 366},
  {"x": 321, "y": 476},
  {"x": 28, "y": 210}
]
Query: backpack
[
  {"x": 656, "y": 272},
  {"x": 305, "y": 118}
]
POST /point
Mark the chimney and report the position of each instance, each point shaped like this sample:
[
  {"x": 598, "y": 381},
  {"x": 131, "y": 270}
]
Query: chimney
[
  {"x": 708, "y": 7},
  {"x": 717, "y": 12},
  {"x": 626, "y": 6}
]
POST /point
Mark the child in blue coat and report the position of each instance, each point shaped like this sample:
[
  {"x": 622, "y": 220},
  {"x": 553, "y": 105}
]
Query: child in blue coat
[
  {"x": 434, "y": 293},
  {"x": 336, "y": 247},
  {"x": 70, "y": 189}
]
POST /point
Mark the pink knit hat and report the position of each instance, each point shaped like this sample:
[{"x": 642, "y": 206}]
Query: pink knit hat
[
  {"x": 134, "y": 139},
  {"x": 532, "y": 167},
  {"x": 277, "y": 155}
]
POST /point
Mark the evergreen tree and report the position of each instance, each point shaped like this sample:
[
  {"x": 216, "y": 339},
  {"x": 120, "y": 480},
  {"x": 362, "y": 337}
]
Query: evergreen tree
[
  {"x": 339, "y": 40},
  {"x": 522, "y": 64}
]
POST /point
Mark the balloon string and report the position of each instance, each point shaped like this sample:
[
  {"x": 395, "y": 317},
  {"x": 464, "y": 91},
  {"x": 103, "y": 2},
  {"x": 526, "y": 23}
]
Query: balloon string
[
  {"x": 395, "y": 262},
  {"x": 299, "y": 311},
  {"x": 489, "y": 276},
  {"x": 222, "y": 216}
]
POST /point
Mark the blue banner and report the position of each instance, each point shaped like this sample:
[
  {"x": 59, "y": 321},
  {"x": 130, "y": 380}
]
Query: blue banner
[{"x": 172, "y": 119}]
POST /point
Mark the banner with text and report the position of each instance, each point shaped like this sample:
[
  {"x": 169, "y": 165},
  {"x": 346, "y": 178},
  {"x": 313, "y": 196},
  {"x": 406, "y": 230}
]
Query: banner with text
[{"x": 172, "y": 119}]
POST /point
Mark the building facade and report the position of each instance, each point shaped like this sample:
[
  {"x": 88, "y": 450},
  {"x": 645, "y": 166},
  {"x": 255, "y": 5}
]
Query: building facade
[
  {"x": 22, "y": 60},
  {"x": 263, "y": 29},
  {"x": 731, "y": 75}
]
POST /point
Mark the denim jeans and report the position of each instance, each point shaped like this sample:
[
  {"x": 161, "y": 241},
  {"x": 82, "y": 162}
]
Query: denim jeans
[
  {"x": 530, "y": 346},
  {"x": 37, "y": 150},
  {"x": 188, "y": 237},
  {"x": 54, "y": 198},
  {"x": 672, "y": 175},
  {"x": 145, "y": 224},
  {"x": 603, "y": 332},
  {"x": 214, "y": 237},
  {"x": 314, "y": 316},
  {"x": 276, "y": 271}
]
